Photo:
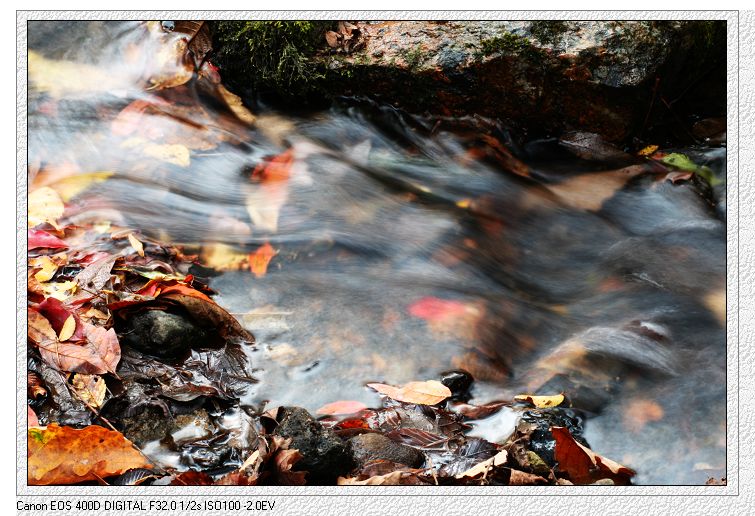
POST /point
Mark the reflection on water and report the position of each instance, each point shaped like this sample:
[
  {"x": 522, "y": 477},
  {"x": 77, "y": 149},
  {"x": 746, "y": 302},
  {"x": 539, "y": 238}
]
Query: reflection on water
[{"x": 408, "y": 246}]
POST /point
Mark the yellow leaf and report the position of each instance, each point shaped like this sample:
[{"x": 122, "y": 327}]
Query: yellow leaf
[
  {"x": 541, "y": 401},
  {"x": 61, "y": 78},
  {"x": 66, "y": 332},
  {"x": 647, "y": 151},
  {"x": 47, "y": 270},
  {"x": 60, "y": 290},
  {"x": 223, "y": 257},
  {"x": 70, "y": 187},
  {"x": 45, "y": 205},
  {"x": 175, "y": 154},
  {"x": 136, "y": 244},
  {"x": 91, "y": 388},
  {"x": 235, "y": 105}
]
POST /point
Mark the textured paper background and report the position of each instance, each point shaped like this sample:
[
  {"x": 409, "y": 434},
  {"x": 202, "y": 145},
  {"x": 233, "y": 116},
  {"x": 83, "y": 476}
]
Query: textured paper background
[{"x": 389, "y": 499}]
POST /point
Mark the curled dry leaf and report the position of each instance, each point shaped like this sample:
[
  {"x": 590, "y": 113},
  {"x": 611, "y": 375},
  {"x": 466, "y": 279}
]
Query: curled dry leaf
[
  {"x": 341, "y": 407},
  {"x": 430, "y": 392},
  {"x": 541, "y": 401},
  {"x": 98, "y": 453},
  {"x": 394, "y": 478},
  {"x": 136, "y": 244},
  {"x": 584, "y": 466}
]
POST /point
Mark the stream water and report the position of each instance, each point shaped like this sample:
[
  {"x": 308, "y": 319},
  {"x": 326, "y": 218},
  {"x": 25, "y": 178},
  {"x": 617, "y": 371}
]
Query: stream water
[{"x": 408, "y": 246}]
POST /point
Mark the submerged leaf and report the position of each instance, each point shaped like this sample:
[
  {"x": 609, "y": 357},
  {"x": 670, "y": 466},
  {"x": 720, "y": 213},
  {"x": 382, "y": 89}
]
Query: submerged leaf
[{"x": 259, "y": 259}]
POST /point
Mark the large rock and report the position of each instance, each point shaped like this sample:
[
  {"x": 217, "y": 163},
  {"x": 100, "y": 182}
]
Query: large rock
[{"x": 545, "y": 76}]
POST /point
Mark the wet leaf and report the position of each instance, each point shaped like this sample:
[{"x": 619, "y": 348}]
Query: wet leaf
[
  {"x": 390, "y": 479},
  {"x": 136, "y": 244},
  {"x": 45, "y": 206},
  {"x": 60, "y": 290},
  {"x": 62, "y": 78},
  {"x": 64, "y": 455},
  {"x": 47, "y": 268},
  {"x": 222, "y": 257},
  {"x": 236, "y": 106},
  {"x": 430, "y": 392},
  {"x": 482, "y": 469},
  {"x": 434, "y": 309},
  {"x": 582, "y": 465},
  {"x": 175, "y": 154},
  {"x": 58, "y": 314},
  {"x": 259, "y": 259},
  {"x": 91, "y": 389},
  {"x": 589, "y": 191},
  {"x": 37, "y": 238},
  {"x": 647, "y": 151},
  {"x": 285, "y": 460},
  {"x": 70, "y": 187},
  {"x": 341, "y": 407},
  {"x": 31, "y": 417},
  {"x": 263, "y": 204},
  {"x": 541, "y": 401}
]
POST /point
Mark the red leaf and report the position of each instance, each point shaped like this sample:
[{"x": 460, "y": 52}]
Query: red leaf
[
  {"x": 582, "y": 465},
  {"x": 56, "y": 312},
  {"x": 435, "y": 309},
  {"x": 31, "y": 417},
  {"x": 38, "y": 238}
]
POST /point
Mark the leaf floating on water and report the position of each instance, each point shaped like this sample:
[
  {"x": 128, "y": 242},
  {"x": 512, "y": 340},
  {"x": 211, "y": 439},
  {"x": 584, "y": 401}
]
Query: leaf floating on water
[
  {"x": 341, "y": 407},
  {"x": 541, "y": 401},
  {"x": 45, "y": 205},
  {"x": 175, "y": 154},
  {"x": 584, "y": 466},
  {"x": 259, "y": 260},
  {"x": 430, "y": 392},
  {"x": 97, "y": 452}
]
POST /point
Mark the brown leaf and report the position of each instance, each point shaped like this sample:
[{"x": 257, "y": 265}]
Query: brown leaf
[
  {"x": 582, "y": 465},
  {"x": 91, "y": 389},
  {"x": 391, "y": 479},
  {"x": 97, "y": 274},
  {"x": 192, "y": 478},
  {"x": 331, "y": 38},
  {"x": 236, "y": 106},
  {"x": 430, "y": 392},
  {"x": 210, "y": 315},
  {"x": 589, "y": 191},
  {"x": 65, "y": 455},
  {"x": 520, "y": 478},
  {"x": 284, "y": 460}
]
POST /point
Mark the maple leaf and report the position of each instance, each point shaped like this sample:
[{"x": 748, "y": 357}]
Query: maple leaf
[{"x": 65, "y": 455}]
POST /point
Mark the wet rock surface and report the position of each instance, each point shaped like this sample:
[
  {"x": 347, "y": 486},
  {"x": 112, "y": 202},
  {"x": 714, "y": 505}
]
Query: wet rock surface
[
  {"x": 325, "y": 455},
  {"x": 606, "y": 77},
  {"x": 161, "y": 334},
  {"x": 373, "y": 446}
]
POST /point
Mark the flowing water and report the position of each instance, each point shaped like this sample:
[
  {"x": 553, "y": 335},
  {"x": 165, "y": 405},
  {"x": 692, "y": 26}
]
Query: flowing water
[{"x": 408, "y": 246}]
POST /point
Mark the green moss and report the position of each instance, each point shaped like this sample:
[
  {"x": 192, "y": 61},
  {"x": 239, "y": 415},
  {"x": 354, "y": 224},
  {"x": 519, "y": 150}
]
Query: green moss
[
  {"x": 413, "y": 57},
  {"x": 271, "y": 55},
  {"x": 548, "y": 31},
  {"x": 506, "y": 43}
]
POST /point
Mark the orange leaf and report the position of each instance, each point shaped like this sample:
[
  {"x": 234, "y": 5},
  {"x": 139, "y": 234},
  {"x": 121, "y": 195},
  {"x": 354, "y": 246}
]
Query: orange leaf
[
  {"x": 584, "y": 466},
  {"x": 65, "y": 455},
  {"x": 434, "y": 309},
  {"x": 259, "y": 259},
  {"x": 341, "y": 407},
  {"x": 421, "y": 393}
]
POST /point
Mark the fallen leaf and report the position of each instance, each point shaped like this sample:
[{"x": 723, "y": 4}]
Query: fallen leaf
[
  {"x": 59, "y": 315},
  {"x": 390, "y": 479},
  {"x": 192, "y": 478},
  {"x": 639, "y": 413},
  {"x": 136, "y": 244},
  {"x": 66, "y": 332},
  {"x": 45, "y": 205},
  {"x": 97, "y": 274},
  {"x": 65, "y": 78},
  {"x": 31, "y": 417},
  {"x": 541, "y": 401},
  {"x": 430, "y": 392},
  {"x": 175, "y": 154},
  {"x": 60, "y": 290},
  {"x": 341, "y": 407},
  {"x": 482, "y": 469},
  {"x": 91, "y": 389},
  {"x": 37, "y": 238},
  {"x": 70, "y": 187},
  {"x": 582, "y": 465},
  {"x": 716, "y": 303},
  {"x": 589, "y": 191},
  {"x": 47, "y": 268},
  {"x": 65, "y": 455},
  {"x": 520, "y": 478},
  {"x": 285, "y": 460},
  {"x": 235, "y": 104},
  {"x": 263, "y": 204},
  {"x": 259, "y": 259},
  {"x": 647, "y": 151},
  {"x": 222, "y": 257}
]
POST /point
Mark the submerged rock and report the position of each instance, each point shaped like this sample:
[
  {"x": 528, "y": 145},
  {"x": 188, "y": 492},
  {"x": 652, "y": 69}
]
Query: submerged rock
[{"x": 325, "y": 455}]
